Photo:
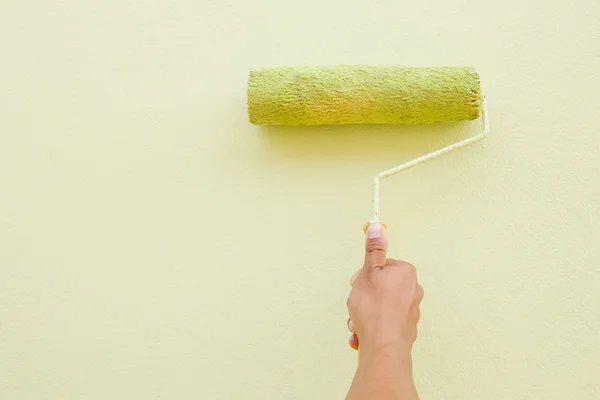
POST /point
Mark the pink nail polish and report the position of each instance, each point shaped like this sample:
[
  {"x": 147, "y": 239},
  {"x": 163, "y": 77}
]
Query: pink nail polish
[{"x": 374, "y": 231}]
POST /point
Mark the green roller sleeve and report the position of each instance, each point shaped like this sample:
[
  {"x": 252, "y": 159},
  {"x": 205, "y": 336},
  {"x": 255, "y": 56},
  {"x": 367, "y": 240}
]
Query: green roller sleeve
[{"x": 362, "y": 94}]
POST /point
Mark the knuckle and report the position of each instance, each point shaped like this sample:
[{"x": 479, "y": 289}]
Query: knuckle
[
  {"x": 354, "y": 277},
  {"x": 350, "y": 302},
  {"x": 392, "y": 262},
  {"x": 419, "y": 294},
  {"x": 375, "y": 247},
  {"x": 404, "y": 264},
  {"x": 410, "y": 266}
]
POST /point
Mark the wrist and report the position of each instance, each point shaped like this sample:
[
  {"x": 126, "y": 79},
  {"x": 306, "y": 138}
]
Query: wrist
[
  {"x": 401, "y": 350},
  {"x": 385, "y": 336},
  {"x": 391, "y": 357}
]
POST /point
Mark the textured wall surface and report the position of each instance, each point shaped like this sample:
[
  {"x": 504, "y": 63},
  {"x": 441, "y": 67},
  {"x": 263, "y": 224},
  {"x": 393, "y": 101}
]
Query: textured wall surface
[{"x": 153, "y": 244}]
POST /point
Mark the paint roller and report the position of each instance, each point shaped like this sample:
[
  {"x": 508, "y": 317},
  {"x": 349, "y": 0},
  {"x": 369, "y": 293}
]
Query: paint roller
[{"x": 367, "y": 94}]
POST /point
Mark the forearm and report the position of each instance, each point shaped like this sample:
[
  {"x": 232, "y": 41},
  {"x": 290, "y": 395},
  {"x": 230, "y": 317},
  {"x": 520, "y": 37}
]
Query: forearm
[{"x": 384, "y": 373}]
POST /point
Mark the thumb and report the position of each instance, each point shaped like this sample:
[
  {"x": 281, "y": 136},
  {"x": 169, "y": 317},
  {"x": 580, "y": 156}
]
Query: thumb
[{"x": 376, "y": 246}]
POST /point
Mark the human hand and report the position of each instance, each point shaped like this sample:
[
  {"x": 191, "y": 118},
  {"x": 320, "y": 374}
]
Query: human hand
[{"x": 385, "y": 297}]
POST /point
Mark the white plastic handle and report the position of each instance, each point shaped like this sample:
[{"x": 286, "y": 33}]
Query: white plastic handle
[{"x": 427, "y": 157}]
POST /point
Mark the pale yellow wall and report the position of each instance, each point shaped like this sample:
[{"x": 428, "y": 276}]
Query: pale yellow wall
[{"x": 153, "y": 244}]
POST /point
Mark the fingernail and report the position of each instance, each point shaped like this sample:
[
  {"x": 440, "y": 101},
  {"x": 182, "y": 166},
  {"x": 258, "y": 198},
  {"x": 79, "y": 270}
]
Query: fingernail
[{"x": 374, "y": 231}]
